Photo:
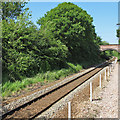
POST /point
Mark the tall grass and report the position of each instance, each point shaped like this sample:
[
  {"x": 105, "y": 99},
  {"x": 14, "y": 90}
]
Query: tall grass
[{"x": 9, "y": 88}]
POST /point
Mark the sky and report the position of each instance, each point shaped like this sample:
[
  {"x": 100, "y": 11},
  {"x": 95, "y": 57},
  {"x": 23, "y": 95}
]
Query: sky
[{"x": 105, "y": 16}]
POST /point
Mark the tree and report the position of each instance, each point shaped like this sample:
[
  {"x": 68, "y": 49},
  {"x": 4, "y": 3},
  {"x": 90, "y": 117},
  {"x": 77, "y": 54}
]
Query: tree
[
  {"x": 18, "y": 46},
  {"x": 53, "y": 51},
  {"x": 118, "y": 35},
  {"x": 74, "y": 28},
  {"x": 12, "y": 9},
  {"x": 98, "y": 40},
  {"x": 104, "y": 43},
  {"x": 26, "y": 51}
]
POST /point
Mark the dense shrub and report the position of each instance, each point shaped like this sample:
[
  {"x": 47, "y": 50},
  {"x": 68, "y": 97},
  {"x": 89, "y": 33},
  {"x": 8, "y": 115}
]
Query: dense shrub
[
  {"x": 18, "y": 45},
  {"x": 25, "y": 51}
]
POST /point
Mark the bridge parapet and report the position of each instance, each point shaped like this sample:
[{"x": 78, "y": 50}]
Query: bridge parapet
[{"x": 110, "y": 47}]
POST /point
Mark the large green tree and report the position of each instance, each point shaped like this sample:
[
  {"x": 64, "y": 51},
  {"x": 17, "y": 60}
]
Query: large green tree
[
  {"x": 73, "y": 27},
  {"x": 12, "y": 9},
  {"x": 52, "y": 50}
]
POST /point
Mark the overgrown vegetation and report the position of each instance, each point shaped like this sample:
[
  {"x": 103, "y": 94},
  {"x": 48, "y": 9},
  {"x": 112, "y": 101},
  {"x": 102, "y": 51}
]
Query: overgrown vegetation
[
  {"x": 65, "y": 43},
  {"x": 49, "y": 76}
]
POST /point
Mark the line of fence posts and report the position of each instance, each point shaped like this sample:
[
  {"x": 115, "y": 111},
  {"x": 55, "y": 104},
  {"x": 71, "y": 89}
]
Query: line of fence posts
[
  {"x": 107, "y": 74},
  {"x": 107, "y": 71}
]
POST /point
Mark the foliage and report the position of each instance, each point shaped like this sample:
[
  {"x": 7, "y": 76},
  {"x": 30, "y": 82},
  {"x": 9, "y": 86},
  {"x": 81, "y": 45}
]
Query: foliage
[
  {"x": 52, "y": 50},
  {"x": 111, "y": 53},
  {"x": 73, "y": 27},
  {"x": 66, "y": 37},
  {"x": 12, "y": 9},
  {"x": 104, "y": 43},
  {"x": 118, "y": 30},
  {"x": 98, "y": 40},
  {"x": 10, "y": 88},
  {"x": 118, "y": 35},
  {"x": 18, "y": 46},
  {"x": 26, "y": 51}
]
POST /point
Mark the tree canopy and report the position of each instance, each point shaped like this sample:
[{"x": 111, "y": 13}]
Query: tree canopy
[
  {"x": 18, "y": 43},
  {"x": 27, "y": 50},
  {"x": 118, "y": 35},
  {"x": 104, "y": 43},
  {"x": 73, "y": 27},
  {"x": 12, "y": 9}
]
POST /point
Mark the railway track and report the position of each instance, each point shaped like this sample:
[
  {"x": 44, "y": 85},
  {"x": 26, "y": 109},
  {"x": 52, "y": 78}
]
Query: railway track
[{"x": 35, "y": 107}]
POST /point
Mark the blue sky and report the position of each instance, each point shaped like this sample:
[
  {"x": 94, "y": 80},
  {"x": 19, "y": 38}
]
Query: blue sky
[{"x": 105, "y": 16}]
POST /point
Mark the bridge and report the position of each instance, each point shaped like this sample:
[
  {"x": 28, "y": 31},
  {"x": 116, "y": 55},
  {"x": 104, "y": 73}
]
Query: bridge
[{"x": 115, "y": 47}]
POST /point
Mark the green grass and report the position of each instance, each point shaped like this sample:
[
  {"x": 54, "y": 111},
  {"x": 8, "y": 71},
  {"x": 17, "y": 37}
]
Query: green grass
[{"x": 9, "y": 88}]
